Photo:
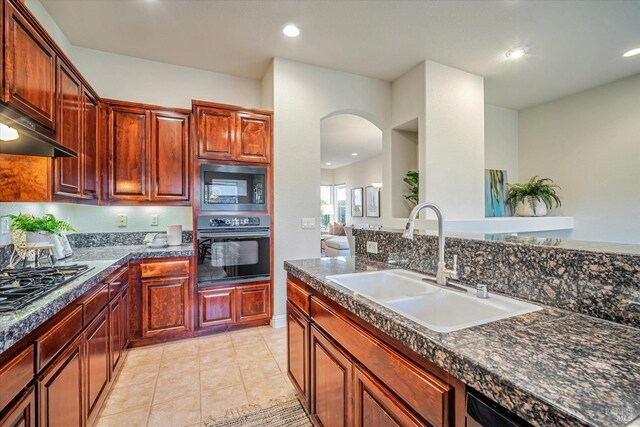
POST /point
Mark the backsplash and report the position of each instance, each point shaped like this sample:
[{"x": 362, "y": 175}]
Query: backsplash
[
  {"x": 125, "y": 238},
  {"x": 598, "y": 284}
]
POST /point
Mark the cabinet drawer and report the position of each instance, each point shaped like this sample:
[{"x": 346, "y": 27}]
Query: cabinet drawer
[
  {"x": 95, "y": 304},
  {"x": 420, "y": 390},
  {"x": 118, "y": 283},
  {"x": 15, "y": 375},
  {"x": 50, "y": 344},
  {"x": 164, "y": 269},
  {"x": 298, "y": 296}
]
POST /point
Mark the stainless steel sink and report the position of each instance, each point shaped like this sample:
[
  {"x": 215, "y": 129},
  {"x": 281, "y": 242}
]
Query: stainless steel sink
[{"x": 437, "y": 308}]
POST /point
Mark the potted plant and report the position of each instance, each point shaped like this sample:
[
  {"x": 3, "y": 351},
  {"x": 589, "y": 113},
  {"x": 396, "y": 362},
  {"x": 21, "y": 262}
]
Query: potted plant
[
  {"x": 37, "y": 230},
  {"x": 413, "y": 183},
  {"x": 534, "y": 197}
]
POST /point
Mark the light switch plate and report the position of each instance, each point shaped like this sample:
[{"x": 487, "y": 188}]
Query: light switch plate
[
  {"x": 308, "y": 223},
  {"x": 122, "y": 220},
  {"x": 372, "y": 247}
]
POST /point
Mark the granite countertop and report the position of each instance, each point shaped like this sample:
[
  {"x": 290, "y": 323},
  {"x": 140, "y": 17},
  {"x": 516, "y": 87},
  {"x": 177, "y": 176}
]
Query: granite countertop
[
  {"x": 102, "y": 261},
  {"x": 551, "y": 367}
]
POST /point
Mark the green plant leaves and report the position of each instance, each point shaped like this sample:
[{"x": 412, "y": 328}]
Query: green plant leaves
[
  {"x": 413, "y": 183},
  {"x": 48, "y": 223},
  {"x": 537, "y": 189}
]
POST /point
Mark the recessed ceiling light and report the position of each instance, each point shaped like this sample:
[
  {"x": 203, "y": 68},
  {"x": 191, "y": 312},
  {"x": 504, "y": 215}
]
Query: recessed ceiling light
[
  {"x": 354, "y": 154},
  {"x": 633, "y": 52},
  {"x": 291, "y": 31},
  {"x": 516, "y": 53},
  {"x": 328, "y": 163}
]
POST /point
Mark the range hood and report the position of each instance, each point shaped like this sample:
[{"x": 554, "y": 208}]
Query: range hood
[{"x": 21, "y": 135}]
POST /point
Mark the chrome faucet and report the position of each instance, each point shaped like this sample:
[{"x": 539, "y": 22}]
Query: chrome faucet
[{"x": 443, "y": 274}]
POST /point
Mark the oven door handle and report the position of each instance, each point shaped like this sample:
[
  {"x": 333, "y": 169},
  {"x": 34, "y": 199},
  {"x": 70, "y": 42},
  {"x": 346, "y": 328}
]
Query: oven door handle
[{"x": 231, "y": 235}]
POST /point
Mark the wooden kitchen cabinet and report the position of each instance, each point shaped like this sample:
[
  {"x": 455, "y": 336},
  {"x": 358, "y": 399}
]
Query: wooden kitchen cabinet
[
  {"x": 165, "y": 306},
  {"x": 298, "y": 352},
  {"x": 60, "y": 389},
  {"x": 253, "y": 302},
  {"x": 169, "y": 156},
  {"x": 29, "y": 67},
  {"x": 97, "y": 366},
  {"x": 331, "y": 382},
  {"x": 254, "y": 137},
  {"x": 68, "y": 170},
  {"x": 230, "y": 133},
  {"x": 90, "y": 147},
  {"x": 216, "y": 306},
  {"x": 22, "y": 413}
]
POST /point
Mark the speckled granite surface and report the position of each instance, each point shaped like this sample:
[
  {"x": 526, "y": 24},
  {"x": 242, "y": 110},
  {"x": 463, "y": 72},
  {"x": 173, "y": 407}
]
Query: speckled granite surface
[
  {"x": 552, "y": 367},
  {"x": 103, "y": 260},
  {"x": 124, "y": 238},
  {"x": 599, "y": 284}
]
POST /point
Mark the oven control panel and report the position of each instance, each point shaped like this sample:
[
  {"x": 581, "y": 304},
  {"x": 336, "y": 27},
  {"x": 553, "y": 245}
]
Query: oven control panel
[{"x": 218, "y": 221}]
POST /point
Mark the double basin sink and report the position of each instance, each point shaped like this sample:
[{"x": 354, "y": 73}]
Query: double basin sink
[{"x": 438, "y": 308}]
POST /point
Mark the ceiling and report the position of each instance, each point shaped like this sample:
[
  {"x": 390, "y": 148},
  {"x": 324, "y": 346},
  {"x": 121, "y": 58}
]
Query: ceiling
[
  {"x": 344, "y": 134},
  {"x": 573, "y": 45}
]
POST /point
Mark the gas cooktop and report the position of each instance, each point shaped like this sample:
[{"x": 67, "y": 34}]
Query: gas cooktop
[{"x": 21, "y": 286}]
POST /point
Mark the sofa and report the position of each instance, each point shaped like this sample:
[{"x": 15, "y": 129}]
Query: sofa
[{"x": 340, "y": 245}]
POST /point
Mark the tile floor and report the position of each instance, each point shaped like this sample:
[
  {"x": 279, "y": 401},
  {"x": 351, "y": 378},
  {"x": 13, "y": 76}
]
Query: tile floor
[{"x": 183, "y": 383}]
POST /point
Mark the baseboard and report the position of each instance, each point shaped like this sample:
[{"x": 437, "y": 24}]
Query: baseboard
[{"x": 279, "y": 321}]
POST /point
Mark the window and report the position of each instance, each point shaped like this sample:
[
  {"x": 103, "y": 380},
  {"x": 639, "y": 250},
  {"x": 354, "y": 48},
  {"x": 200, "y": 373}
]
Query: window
[
  {"x": 326, "y": 206},
  {"x": 341, "y": 202}
]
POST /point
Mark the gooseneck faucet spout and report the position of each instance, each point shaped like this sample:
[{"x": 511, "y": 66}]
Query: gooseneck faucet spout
[{"x": 443, "y": 274}]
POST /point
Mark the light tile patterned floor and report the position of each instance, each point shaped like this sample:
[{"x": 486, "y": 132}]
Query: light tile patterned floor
[{"x": 182, "y": 383}]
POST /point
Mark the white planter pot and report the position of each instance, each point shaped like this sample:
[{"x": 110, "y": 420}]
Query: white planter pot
[
  {"x": 37, "y": 237},
  {"x": 524, "y": 208}
]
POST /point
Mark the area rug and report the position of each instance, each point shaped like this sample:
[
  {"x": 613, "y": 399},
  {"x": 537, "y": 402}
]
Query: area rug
[{"x": 285, "y": 412}]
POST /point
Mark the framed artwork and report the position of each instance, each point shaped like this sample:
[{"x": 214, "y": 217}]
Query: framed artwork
[
  {"x": 372, "y": 198},
  {"x": 356, "y": 201},
  {"x": 495, "y": 193}
]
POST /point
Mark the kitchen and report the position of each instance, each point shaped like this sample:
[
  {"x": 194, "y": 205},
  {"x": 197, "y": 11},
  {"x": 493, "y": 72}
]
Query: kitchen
[{"x": 186, "y": 187}]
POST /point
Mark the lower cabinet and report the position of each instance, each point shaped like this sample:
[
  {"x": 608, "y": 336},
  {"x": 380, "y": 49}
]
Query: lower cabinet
[
  {"x": 298, "y": 352},
  {"x": 164, "y": 306},
  {"x": 23, "y": 412},
  {"x": 116, "y": 327},
  {"x": 97, "y": 369},
  {"x": 331, "y": 382},
  {"x": 60, "y": 389},
  {"x": 234, "y": 304}
]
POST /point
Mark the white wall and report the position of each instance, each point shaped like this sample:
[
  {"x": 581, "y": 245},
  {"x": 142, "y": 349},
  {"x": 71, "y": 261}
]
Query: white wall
[
  {"x": 404, "y": 157},
  {"x": 326, "y": 177},
  {"x": 50, "y": 25},
  {"x": 501, "y": 140},
  {"x": 589, "y": 144},
  {"x": 359, "y": 174},
  {"x": 303, "y": 95}
]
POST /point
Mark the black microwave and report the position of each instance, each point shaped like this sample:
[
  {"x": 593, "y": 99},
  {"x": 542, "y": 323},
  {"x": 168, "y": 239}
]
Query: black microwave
[{"x": 233, "y": 188}]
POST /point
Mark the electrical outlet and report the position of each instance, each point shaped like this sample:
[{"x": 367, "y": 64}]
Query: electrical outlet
[
  {"x": 122, "y": 220},
  {"x": 372, "y": 247},
  {"x": 308, "y": 223},
  {"x": 154, "y": 220}
]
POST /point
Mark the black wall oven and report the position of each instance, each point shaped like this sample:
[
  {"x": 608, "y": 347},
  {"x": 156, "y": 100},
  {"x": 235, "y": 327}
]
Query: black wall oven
[
  {"x": 233, "y": 249},
  {"x": 233, "y": 188}
]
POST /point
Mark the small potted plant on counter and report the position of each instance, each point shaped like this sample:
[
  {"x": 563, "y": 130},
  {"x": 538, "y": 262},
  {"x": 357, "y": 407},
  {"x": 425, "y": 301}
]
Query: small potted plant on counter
[
  {"x": 34, "y": 230},
  {"x": 533, "y": 198}
]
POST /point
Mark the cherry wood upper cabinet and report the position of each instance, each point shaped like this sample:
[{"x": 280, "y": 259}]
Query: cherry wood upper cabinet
[
  {"x": 254, "y": 137},
  {"x": 68, "y": 171},
  {"x": 169, "y": 156},
  {"x": 29, "y": 68},
  {"x": 89, "y": 145},
  {"x": 216, "y": 133},
  {"x": 128, "y": 152}
]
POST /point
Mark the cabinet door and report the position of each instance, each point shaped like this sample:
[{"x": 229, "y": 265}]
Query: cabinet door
[
  {"x": 22, "y": 413},
  {"x": 216, "y": 307},
  {"x": 254, "y": 137},
  {"x": 298, "y": 351},
  {"x": 331, "y": 382},
  {"x": 115, "y": 330},
  {"x": 69, "y": 132},
  {"x": 97, "y": 363},
  {"x": 128, "y": 152},
  {"x": 253, "y": 302},
  {"x": 125, "y": 319},
  {"x": 375, "y": 406},
  {"x": 170, "y": 156},
  {"x": 90, "y": 145},
  {"x": 60, "y": 398},
  {"x": 30, "y": 69},
  {"x": 164, "y": 306},
  {"x": 215, "y": 128}
]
